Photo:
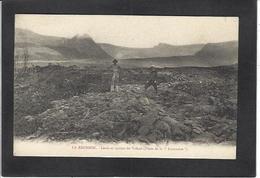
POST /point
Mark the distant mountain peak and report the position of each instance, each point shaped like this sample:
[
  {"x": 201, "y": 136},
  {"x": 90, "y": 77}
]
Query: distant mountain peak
[
  {"x": 82, "y": 36},
  {"x": 78, "y": 47},
  {"x": 162, "y": 45}
]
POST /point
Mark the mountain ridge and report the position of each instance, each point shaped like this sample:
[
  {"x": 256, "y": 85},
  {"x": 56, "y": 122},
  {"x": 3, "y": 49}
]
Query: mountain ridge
[
  {"x": 160, "y": 50},
  {"x": 41, "y": 47},
  {"x": 212, "y": 54}
]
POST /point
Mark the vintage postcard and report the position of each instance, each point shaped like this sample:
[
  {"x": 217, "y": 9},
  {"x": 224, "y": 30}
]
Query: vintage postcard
[{"x": 125, "y": 86}]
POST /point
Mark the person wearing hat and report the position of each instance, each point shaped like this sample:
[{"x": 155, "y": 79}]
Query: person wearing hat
[
  {"x": 153, "y": 79},
  {"x": 115, "y": 76}
]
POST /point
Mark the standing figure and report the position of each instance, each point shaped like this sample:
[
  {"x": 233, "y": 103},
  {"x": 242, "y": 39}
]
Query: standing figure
[
  {"x": 115, "y": 77},
  {"x": 153, "y": 79}
]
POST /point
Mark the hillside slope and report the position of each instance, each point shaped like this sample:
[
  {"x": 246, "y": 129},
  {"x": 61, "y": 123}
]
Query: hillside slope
[
  {"x": 225, "y": 53},
  {"x": 80, "y": 47},
  {"x": 212, "y": 54},
  {"x": 41, "y": 47}
]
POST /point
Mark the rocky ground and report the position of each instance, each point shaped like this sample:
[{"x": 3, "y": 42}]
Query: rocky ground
[{"x": 192, "y": 104}]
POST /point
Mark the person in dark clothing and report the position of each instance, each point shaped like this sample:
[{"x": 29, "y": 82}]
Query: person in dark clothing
[{"x": 153, "y": 79}]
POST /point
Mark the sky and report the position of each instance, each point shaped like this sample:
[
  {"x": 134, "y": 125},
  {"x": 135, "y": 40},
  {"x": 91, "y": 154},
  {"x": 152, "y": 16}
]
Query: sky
[{"x": 134, "y": 31}]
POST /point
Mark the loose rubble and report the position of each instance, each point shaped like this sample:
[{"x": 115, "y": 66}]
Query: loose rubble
[{"x": 187, "y": 108}]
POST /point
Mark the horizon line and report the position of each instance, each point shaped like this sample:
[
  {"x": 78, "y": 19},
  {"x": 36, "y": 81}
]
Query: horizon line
[{"x": 121, "y": 45}]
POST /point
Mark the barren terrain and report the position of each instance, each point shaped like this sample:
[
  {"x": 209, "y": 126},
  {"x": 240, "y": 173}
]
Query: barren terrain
[{"x": 193, "y": 104}]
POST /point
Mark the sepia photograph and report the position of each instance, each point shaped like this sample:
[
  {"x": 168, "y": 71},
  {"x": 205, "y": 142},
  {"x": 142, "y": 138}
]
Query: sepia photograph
[{"x": 125, "y": 86}]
